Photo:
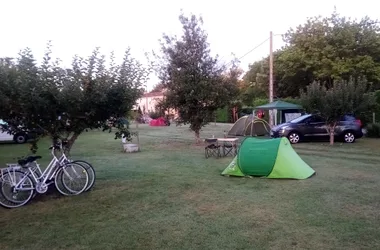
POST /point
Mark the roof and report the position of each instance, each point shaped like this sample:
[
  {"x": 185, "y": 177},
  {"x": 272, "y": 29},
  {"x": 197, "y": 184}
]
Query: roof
[{"x": 279, "y": 105}]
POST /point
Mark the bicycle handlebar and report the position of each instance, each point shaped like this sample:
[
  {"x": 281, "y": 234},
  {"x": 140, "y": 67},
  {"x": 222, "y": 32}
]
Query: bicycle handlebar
[{"x": 55, "y": 147}]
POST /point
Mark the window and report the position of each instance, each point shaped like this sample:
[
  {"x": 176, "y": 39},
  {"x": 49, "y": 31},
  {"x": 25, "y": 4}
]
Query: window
[
  {"x": 303, "y": 118},
  {"x": 317, "y": 119}
]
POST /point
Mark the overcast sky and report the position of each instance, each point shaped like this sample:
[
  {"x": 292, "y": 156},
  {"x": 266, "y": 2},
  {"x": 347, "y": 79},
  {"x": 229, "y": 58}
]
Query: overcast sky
[{"x": 77, "y": 27}]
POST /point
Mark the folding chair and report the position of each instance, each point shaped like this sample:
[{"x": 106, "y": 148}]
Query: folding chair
[
  {"x": 229, "y": 149},
  {"x": 212, "y": 148}
]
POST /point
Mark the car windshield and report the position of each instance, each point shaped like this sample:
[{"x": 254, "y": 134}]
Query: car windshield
[{"x": 299, "y": 119}]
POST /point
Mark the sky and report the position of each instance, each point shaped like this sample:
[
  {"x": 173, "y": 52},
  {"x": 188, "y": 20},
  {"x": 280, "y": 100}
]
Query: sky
[{"x": 77, "y": 27}]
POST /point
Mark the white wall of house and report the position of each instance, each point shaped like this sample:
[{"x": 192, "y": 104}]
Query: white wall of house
[{"x": 149, "y": 102}]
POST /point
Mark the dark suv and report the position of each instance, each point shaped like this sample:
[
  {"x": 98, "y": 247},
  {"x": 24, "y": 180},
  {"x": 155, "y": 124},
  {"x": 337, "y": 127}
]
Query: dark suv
[{"x": 312, "y": 126}]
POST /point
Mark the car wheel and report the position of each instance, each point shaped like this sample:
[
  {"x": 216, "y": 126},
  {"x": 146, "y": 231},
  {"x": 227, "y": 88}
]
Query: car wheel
[
  {"x": 20, "y": 138},
  {"x": 349, "y": 137},
  {"x": 294, "y": 137}
]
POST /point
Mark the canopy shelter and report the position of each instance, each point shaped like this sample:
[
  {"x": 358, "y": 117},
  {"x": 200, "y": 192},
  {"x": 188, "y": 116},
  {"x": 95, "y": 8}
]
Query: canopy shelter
[{"x": 288, "y": 111}]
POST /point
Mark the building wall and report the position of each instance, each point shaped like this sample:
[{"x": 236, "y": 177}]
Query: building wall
[{"x": 149, "y": 103}]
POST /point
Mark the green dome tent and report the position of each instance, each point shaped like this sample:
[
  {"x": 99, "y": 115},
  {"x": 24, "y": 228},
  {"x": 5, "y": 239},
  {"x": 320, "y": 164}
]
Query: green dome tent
[{"x": 271, "y": 158}]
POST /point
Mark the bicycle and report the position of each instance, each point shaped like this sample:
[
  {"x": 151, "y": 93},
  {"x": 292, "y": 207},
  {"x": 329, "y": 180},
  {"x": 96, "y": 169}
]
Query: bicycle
[
  {"x": 64, "y": 159},
  {"x": 30, "y": 179},
  {"x": 89, "y": 168}
]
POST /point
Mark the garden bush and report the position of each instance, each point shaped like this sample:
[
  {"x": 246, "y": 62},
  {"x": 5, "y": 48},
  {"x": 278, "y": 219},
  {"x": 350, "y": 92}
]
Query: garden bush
[
  {"x": 222, "y": 115},
  {"x": 155, "y": 115},
  {"x": 373, "y": 130}
]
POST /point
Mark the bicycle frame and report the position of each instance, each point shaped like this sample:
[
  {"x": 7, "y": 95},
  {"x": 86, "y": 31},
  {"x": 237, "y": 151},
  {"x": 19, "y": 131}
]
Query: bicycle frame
[{"x": 46, "y": 175}]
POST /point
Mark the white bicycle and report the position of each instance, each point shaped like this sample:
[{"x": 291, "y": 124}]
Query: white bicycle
[
  {"x": 19, "y": 183},
  {"x": 89, "y": 168}
]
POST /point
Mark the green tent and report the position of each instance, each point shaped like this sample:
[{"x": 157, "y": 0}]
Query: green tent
[{"x": 271, "y": 158}]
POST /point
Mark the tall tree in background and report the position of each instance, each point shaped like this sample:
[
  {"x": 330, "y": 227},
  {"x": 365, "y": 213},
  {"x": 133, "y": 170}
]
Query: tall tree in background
[
  {"x": 197, "y": 85},
  {"x": 65, "y": 102},
  {"x": 158, "y": 87},
  {"x": 344, "y": 97},
  {"x": 325, "y": 49}
]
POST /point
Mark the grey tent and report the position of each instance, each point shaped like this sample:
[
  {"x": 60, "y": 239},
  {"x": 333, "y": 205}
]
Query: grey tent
[{"x": 249, "y": 125}]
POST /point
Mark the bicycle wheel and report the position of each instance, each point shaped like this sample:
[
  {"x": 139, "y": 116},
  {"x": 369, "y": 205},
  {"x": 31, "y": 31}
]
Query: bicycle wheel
[
  {"x": 10, "y": 194},
  {"x": 67, "y": 175},
  {"x": 91, "y": 173}
]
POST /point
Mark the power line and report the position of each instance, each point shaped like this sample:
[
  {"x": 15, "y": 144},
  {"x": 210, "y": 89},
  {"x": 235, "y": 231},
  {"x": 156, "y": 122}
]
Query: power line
[{"x": 256, "y": 47}]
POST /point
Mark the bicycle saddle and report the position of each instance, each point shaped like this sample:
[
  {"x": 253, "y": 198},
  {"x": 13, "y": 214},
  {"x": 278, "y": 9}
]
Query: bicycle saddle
[
  {"x": 56, "y": 146},
  {"x": 28, "y": 159}
]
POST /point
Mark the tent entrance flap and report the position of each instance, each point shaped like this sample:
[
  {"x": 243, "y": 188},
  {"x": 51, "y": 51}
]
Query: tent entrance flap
[{"x": 257, "y": 157}]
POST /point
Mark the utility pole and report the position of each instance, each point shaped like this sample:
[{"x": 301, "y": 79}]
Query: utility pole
[{"x": 271, "y": 76}]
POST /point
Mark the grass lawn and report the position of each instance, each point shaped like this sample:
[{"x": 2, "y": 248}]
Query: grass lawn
[{"x": 170, "y": 197}]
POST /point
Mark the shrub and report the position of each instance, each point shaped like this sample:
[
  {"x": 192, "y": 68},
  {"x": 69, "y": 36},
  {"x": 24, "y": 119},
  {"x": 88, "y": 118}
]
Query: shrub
[
  {"x": 373, "y": 130},
  {"x": 222, "y": 115},
  {"x": 155, "y": 115}
]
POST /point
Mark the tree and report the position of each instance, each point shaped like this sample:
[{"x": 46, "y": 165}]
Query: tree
[
  {"x": 344, "y": 97},
  {"x": 197, "y": 85},
  {"x": 325, "y": 49},
  {"x": 64, "y": 102},
  {"x": 255, "y": 82},
  {"x": 158, "y": 87}
]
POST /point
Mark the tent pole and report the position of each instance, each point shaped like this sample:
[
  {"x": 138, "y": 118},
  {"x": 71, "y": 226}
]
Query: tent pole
[
  {"x": 275, "y": 118},
  {"x": 253, "y": 117}
]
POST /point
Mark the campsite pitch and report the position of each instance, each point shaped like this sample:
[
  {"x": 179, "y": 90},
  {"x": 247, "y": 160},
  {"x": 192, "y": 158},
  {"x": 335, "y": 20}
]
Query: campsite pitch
[{"x": 170, "y": 197}]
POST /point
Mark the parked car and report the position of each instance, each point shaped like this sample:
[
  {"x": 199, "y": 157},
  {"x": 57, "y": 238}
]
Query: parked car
[
  {"x": 19, "y": 137},
  {"x": 313, "y": 127}
]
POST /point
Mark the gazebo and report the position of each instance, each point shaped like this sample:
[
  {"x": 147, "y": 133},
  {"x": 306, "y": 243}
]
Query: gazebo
[{"x": 288, "y": 111}]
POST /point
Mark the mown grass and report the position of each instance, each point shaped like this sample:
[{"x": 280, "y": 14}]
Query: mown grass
[{"x": 170, "y": 197}]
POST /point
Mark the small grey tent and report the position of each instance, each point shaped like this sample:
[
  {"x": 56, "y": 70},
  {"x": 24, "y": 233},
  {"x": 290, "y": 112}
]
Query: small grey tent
[{"x": 249, "y": 125}]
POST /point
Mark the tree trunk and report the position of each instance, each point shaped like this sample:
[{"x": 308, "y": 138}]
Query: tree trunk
[
  {"x": 197, "y": 137},
  {"x": 70, "y": 142},
  {"x": 331, "y": 132}
]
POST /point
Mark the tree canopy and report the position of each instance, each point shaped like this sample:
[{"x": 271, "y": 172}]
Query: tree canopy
[
  {"x": 64, "y": 102},
  {"x": 344, "y": 97},
  {"x": 196, "y": 83},
  {"x": 325, "y": 49}
]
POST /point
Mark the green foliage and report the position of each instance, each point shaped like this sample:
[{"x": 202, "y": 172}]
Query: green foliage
[
  {"x": 259, "y": 102},
  {"x": 292, "y": 100},
  {"x": 222, "y": 115},
  {"x": 324, "y": 49},
  {"x": 158, "y": 87},
  {"x": 155, "y": 115},
  {"x": 64, "y": 102},
  {"x": 343, "y": 98},
  {"x": 373, "y": 130},
  {"x": 197, "y": 85}
]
